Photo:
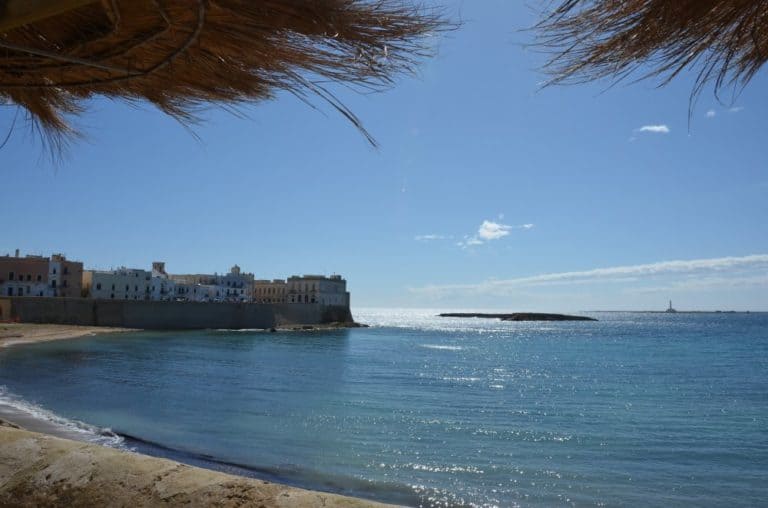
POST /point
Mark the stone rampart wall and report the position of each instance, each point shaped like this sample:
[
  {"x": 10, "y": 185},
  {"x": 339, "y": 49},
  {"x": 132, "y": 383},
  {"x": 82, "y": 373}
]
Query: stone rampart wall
[{"x": 171, "y": 315}]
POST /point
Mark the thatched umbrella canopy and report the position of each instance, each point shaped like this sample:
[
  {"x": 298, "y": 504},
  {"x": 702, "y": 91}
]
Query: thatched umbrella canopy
[
  {"x": 181, "y": 55},
  {"x": 725, "y": 41}
]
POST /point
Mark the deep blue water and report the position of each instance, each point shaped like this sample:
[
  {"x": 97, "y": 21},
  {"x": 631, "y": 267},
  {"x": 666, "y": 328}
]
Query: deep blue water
[{"x": 633, "y": 410}]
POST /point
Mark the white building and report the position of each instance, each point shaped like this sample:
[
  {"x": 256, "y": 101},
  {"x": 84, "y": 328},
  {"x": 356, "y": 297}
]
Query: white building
[
  {"x": 162, "y": 288},
  {"x": 317, "y": 289},
  {"x": 121, "y": 284},
  {"x": 236, "y": 286},
  {"x": 193, "y": 292},
  {"x": 231, "y": 287}
]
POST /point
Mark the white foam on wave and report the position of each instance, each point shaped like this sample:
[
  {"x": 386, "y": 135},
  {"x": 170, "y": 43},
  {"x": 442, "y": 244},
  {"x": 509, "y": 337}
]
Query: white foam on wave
[
  {"x": 63, "y": 427},
  {"x": 441, "y": 347}
]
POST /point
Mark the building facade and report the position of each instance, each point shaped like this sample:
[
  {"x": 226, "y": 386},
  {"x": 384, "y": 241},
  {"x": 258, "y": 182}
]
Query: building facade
[
  {"x": 65, "y": 277},
  {"x": 121, "y": 284},
  {"x": 234, "y": 286},
  {"x": 270, "y": 291},
  {"x": 162, "y": 288},
  {"x": 40, "y": 276},
  {"x": 317, "y": 289}
]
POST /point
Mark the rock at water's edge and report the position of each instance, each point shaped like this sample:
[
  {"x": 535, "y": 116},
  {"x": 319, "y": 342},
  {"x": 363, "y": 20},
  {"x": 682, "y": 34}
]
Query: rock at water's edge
[{"x": 520, "y": 316}]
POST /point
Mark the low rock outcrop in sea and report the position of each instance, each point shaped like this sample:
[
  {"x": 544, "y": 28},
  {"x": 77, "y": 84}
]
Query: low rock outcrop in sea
[{"x": 520, "y": 316}]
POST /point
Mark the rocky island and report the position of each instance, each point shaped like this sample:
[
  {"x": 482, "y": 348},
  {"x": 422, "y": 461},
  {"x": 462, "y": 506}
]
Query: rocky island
[{"x": 519, "y": 316}]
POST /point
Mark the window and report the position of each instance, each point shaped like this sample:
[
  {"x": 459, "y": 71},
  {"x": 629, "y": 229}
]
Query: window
[
  {"x": 98, "y": 286},
  {"x": 39, "y": 278},
  {"x": 29, "y": 277},
  {"x": 136, "y": 288},
  {"x": 66, "y": 270},
  {"x": 54, "y": 270},
  {"x": 112, "y": 296},
  {"x": 10, "y": 291},
  {"x": 53, "y": 283},
  {"x": 20, "y": 291},
  {"x": 64, "y": 284},
  {"x": 10, "y": 275},
  {"x": 113, "y": 287},
  {"x": 127, "y": 287}
]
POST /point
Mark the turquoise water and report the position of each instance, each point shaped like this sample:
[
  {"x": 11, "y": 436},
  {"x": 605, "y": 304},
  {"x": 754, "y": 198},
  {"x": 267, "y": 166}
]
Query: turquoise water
[{"x": 633, "y": 410}]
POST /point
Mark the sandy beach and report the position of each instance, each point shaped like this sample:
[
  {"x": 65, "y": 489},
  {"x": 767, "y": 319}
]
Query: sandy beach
[
  {"x": 23, "y": 333},
  {"x": 41, "y": 470}
]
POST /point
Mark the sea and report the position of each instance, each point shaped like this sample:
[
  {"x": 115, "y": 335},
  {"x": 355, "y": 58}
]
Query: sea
[{"x": 635, "y": 409}]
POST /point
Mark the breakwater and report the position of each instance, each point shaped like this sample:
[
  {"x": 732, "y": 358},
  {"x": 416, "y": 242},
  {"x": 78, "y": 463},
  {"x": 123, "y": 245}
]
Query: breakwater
[{"x": 169, "y": 315}]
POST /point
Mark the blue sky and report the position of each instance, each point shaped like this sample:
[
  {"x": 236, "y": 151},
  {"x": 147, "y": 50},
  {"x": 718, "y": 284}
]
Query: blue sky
[{"x": 485, "y": 192}]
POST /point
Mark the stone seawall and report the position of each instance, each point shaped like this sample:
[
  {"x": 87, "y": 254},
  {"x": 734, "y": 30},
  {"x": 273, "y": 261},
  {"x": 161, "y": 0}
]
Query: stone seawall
[{"x": 170, "y": 315}]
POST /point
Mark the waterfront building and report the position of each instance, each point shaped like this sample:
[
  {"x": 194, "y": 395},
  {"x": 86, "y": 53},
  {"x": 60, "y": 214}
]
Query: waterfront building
[
  {"x": 192, "y": 292},
  {"x": 270, "y": 291},
  {"x": 234, "y": 286},
  {"x": 65, "y": 277},
  {"x": 40, "y": 276},
  {"x": 317, "y": 289},
  {"x": 162, "y": 288},
  {"x": 121, "y": 284}
]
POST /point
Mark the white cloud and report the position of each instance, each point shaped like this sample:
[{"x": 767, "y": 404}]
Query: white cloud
[
  {"x": 700, "y": 283},
  {"x": 488, "y": 231},
  {"x": 655, "y": 129},
  {"x": 736, "y": 109},
  {"x": 469, "y": 242},
  {"x": 492, "y": 230},
  {"x": 711, "y": 113},
  {"x": 733, "y": 265},
  {"x": 429, "y": 238}
]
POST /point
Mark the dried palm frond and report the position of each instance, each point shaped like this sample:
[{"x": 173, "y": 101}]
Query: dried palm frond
[
  {"x": 181, "y": 55},
  {"x": 725, "y": 41}
]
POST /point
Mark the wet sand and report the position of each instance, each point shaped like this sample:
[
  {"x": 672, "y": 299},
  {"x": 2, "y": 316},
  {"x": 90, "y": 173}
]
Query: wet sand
[
  {"x": 23, "y": 333},
  {"x": 40, "y": 470}
]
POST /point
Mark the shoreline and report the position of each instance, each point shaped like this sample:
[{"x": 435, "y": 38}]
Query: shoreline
[
  {"x": 41, "y": 470},
  {"x": 28, "y": 333},
  {"x": 34, "y": 441}
]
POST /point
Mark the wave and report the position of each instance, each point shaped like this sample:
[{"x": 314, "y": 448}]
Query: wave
[
  {"x": 59, "y": 425},
  {"x": 441, "y": 347}
]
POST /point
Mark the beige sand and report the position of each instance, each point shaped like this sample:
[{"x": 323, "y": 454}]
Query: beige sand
[
  {"x": 22, "y": 333},
  {"x": 37, "y": 470}
]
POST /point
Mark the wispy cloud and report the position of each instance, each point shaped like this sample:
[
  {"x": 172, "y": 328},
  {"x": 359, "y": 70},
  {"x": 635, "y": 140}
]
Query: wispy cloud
[
  {"x": 489, "y": 231},
  {"x": 655, "y": 129},
  {"x": 429, "y": 238},
  {"x": 630, "y": 273},
  {"x": 699, "y": 283},
  {"x": 736, "y": 109},
  {"x": 711, "y": 113}
]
